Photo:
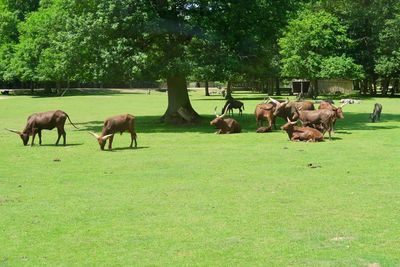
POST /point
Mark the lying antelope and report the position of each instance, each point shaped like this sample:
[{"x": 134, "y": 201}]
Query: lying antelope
[
  {"x": 44, "y": 121},
  {"x": 225, "y": 126},
  {"x": 112, "y": 125},
  {"x": 297, "y": 133}
]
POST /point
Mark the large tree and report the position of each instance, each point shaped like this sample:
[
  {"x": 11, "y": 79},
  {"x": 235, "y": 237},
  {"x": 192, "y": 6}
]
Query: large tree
[{"x": 314, "y": 46}]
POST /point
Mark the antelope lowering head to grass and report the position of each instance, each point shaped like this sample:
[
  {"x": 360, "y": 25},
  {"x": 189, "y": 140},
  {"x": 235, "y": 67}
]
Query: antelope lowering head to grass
[
  {"x": 112, "y": 125},
  {"x": 44, "y": 121}
]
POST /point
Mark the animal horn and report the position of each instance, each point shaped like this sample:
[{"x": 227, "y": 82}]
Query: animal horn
[
  {"x": 273, "y": 100},
  {"x": 291, "y": 122},
  {"x": 106, "y": 136},
  {"x": 226, "y": 110},
  {"x": 95, "y": 135},
  {"x": 13, "y": 131},
  {"x": 344, "y": 104},
  {"x": 215, "y": 112}
]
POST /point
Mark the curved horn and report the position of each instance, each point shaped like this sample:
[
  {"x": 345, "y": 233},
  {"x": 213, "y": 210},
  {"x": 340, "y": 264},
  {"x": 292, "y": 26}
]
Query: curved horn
[
  {"x": 344, "y": 104},
  {"x": 95, "y": 135},
  {"x": 273, "y": 100},
  {"x": 226, "y": 110},
  {"x": 106, "y": 136},
  {"x": 13, "y": 131},
  {"x": 215, "y": 112},
  {"x": 291, "y": 122}
]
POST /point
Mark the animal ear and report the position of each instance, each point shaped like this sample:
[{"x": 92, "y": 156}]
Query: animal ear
[{"x": 106, "y": 136}]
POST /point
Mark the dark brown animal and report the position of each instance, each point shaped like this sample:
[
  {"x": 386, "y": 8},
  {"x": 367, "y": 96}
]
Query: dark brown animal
[
  {"x": 338, "y": 110},
  {"x": 288, "y": 108},
  {"x": 44, "y": 121},
  {"x": 232, "y": 103},
  {"x": 376, "y": 114},
  {"x": 225, "y": 126},
  {"x": 112, "y": 125},
  {"x": 265, "y": 112},
  {"x": 296, "y": 133},
  {"x": 321, "y": 119}
]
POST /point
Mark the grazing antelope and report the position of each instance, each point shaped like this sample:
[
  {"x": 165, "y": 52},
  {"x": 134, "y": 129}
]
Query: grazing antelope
[
  {"x": 44, "y": 121},
  {"x": 112, "y": 125}
]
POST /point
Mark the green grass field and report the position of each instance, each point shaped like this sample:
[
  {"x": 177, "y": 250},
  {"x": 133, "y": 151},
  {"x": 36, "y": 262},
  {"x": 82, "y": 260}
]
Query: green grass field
[{"x": 190, "y": 197}]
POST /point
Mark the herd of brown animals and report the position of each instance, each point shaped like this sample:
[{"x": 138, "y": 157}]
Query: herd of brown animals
[{"x": 314, "y": 122}]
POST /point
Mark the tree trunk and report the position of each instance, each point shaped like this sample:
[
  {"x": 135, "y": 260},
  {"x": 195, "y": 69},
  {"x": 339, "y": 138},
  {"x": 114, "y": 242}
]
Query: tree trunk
[
  {"x": 206, "y": 88},
  {"x": 371, "y": 86},
  {"x": 356, "y": 85},
  {"x": 364, "y": 86},
  {"x": 228, "y": 90},
  {"x": 179, "y": 109},
  {"x": 313, "y": 90},
  {"x": 385, "y": 86},
  {"x": 31, "y": 87},
  {"x": 395, "y": 87},
  {"x": 277, "y": 87}
]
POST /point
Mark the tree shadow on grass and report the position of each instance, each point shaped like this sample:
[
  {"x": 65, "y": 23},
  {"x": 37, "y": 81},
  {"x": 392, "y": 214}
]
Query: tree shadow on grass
[
  {"x": 126, "y": 148},
  {"x": 60, "y": 145},
  {"x": 361, "y": 121},
  {"x": 152, "y": 124},
  {"x": 90, "y": 92}
]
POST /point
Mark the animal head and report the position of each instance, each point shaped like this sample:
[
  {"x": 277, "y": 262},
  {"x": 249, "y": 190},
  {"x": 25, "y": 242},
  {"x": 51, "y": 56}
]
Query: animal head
[
  {"x": 339, "y": 111},
  {"x": 24, "y": 136},
  {"x": 280, "y": 107},
  {"x": 289, "y": 125},
  {"x": 219, "y": 119},
  {"x": 101, "y": 139},
  {"x": 296, "y": 114}
]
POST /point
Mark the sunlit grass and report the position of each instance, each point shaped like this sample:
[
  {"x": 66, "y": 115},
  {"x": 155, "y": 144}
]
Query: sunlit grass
[{"x": 190, "y": 197}]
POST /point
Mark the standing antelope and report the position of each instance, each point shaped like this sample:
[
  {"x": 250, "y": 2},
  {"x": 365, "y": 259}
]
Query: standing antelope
[
  {"x": 112, "y": 125},
  {"x": 44, "y": 121}
]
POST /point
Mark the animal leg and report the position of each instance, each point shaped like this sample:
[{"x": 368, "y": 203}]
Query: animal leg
[
  {"x": 110, "y": 140},
  {"x": 133, "y": 137},
  {"x": 40, "y": 137},
  {"x": 60, "y": 132},
  {"x": 34, "y": 131},
  {"x": 273, "y": 122}
]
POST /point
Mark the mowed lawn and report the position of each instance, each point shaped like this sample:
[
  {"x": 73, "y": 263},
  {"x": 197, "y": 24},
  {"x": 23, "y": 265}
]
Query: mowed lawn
[{"x": 189, "y": 197}]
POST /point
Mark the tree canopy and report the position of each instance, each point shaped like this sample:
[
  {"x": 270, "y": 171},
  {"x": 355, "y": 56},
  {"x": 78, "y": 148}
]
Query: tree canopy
[{"x": 121, "y": 41}]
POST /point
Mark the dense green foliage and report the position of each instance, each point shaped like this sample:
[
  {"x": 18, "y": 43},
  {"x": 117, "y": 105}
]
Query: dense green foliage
[
  {"x": 190, "y": 197},
  {"x": 313, "y": 45},
  {"x": 119, "y": 42}
]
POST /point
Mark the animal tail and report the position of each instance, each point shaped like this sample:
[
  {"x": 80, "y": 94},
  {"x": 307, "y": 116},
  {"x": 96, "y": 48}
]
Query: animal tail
[{"x": 71, "y": 121}]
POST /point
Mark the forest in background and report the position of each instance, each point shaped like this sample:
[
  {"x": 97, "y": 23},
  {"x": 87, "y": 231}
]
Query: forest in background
[{"x": 71, "y": 43}]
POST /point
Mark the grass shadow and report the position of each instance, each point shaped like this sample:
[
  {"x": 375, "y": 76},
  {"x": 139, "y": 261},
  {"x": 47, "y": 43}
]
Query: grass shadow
[
  {"x": 361, "y": 121},
  {"x": 60, "y": 145},
  {"x": 152, "y": 124},
  {"x": 90, "y": 92},
  {"x": 128, "y": 148}
]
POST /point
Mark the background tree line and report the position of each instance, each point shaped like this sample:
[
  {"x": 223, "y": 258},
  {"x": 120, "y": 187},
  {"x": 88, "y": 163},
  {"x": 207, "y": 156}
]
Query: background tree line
[{"x": 61, "y": 42}]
